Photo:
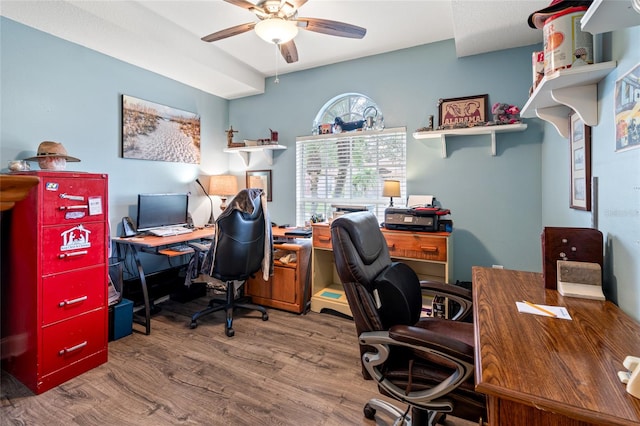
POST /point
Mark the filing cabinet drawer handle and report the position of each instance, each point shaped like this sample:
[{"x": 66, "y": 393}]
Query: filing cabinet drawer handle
[
  {"x": 324, "y": 239},
  {"x": 75, "y": 253},
  {"x": 72, "y": 349},
  {"x": 72, "y": 197},
  {"x": 76, "y": 207},
  {"x": 72, "y": 301},
  {"x": 431, "y": 249}
]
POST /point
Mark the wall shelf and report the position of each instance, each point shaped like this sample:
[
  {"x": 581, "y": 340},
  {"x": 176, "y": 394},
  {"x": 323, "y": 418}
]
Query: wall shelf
[
  {"x": 245, "y": 151},
  {"x": 565, "y": 90},
  {"x": 479, "y": 130},
  {"x": 604, "y": 16}
]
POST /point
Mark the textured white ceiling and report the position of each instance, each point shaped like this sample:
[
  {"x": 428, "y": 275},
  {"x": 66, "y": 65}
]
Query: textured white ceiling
[{"x": 164, "y": 36}]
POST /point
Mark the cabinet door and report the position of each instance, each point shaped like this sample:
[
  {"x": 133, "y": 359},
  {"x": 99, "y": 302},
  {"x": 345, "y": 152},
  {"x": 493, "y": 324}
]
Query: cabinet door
[
  {"x": 258, "y": 287},
  {"x": 284, "y": 285}
]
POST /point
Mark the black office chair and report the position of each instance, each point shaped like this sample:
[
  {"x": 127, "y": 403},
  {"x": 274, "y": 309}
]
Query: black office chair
[
  {"x": 426, "y": 363},
  {"x": 242, "y": 245}
]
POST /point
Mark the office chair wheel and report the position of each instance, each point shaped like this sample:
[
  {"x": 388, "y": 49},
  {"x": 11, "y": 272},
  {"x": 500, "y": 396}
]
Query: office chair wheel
[
  {"x": 229, "y": 332},
  {"x": 193, "y": 325},
  {"x": 369, "y": 412},
  {"x": 265, "y": 317}
]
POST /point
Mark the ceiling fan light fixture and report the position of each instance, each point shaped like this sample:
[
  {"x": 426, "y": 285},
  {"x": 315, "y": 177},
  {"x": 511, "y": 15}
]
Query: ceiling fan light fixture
[{"x": 276, "y": 30}]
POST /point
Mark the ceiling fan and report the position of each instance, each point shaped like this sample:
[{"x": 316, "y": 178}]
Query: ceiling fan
[{"x": 279, "y": 24}]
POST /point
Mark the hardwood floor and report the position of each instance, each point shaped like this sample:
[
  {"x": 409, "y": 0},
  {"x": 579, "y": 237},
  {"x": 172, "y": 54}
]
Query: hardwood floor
[{"x": 289, "y": 370}]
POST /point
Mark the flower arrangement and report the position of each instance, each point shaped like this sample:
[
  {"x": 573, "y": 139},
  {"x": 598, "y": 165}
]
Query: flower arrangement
[{"x": 505, "y": 114}]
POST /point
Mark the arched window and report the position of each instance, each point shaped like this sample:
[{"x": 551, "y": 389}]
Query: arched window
[
  {"x": 349, "y": 107},
  {"x": 348, "y": 168}
]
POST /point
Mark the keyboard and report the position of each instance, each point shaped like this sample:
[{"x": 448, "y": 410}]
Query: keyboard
[{"x": 169, "y": 231}]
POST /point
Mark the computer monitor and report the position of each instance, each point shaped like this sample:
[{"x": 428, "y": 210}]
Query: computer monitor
[{"x": 158, "y": 210}]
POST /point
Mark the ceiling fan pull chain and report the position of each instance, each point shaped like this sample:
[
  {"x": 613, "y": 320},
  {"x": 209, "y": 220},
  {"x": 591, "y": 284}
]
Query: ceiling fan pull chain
[{"x": 277, "y": 45}]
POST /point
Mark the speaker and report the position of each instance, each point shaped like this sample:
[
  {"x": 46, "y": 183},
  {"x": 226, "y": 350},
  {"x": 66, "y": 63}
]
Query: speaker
[
  {"x": 189, "y": 221},
  {"x": 128, "y": 227}
]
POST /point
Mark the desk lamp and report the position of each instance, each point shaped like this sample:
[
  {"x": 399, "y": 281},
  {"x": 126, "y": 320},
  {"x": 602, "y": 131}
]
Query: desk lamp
[
  {"x": 391, "y": 189},
  {"x": 211, "y": 218},
  {"x": 223, "y": 186}
]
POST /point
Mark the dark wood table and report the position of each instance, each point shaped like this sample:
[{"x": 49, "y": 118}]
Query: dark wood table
[{"x": 538, "y": 370}]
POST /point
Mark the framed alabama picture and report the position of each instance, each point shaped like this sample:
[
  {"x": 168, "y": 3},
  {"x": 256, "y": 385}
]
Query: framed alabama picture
[{"x": 464, "y": 112}]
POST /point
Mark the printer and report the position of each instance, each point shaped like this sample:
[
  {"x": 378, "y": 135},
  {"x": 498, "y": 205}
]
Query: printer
[{"x": 420, "y": 216}]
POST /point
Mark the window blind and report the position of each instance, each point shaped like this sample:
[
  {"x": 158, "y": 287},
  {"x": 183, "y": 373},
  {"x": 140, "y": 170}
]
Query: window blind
[{"x": 348, "y": 169}]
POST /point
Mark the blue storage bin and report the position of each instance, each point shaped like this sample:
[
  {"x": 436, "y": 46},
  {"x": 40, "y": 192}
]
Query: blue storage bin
[{"x": 120, "y": 319}]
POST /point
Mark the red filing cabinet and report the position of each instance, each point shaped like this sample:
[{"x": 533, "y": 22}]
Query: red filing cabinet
[{"x": 54, "y": 300}]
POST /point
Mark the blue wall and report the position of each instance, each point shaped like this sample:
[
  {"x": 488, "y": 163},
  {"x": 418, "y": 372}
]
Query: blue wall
[
  {"x": 618, "y": 215},
  {"x": 495, "y": 201},
  {"x": 56, "y": 90}
]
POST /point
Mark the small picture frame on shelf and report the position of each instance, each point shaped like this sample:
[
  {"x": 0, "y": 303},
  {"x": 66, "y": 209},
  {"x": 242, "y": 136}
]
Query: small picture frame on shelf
[
  {"x": 460, "y": 113},
  {"x": 260, "y": 179},
  {"x": 580, "y": 146}
]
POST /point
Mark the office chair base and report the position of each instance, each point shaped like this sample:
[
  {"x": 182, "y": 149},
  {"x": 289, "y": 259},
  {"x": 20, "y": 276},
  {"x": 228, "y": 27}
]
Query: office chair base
[
  {"x": 402, "y": 418},
  {"x": 229, "y": 305}
]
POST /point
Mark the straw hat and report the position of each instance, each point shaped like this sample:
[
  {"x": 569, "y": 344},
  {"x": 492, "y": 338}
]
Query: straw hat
[
  {"x": 536, "y": 19},
  {"x": 48, "y": 149}
]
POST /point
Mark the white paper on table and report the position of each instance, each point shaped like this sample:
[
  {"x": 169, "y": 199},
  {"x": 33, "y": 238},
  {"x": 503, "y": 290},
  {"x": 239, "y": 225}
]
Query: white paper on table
[
  {"x": 420, "y": 201},
  {"x": 560, "y": 311}
]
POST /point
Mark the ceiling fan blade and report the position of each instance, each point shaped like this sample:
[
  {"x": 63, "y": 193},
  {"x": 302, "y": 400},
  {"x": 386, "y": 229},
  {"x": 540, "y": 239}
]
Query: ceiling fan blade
[
  {"x": 238, "y": 29},
  {"x": 297, "y": 3},
  {"x": 249, "y": 6},
  {"x": 242, "y": 3},
  {"x": 289, "y": 52},
  {"x": 333, "y": 28}
]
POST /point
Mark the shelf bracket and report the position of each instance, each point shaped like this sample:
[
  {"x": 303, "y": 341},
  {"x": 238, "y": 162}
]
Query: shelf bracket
[
  {"x": 558, "y": 116},
  {"x": 582, "y": 99},
  {"x": 493, "y": 144},
  {"x": 268, "y": 155},
  {"x": 443, "y": 143},
  {"x": 245, "y": 157}
]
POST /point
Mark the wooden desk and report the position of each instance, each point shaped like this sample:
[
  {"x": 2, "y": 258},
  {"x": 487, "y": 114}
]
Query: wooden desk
[
  {"x": 288, "y": 288},
  {"x": 427, "y": 253},
  {"x": 14, "y": 188},
  {"x": 160, "y": 246},
  {"x": 538, "y": 370}
]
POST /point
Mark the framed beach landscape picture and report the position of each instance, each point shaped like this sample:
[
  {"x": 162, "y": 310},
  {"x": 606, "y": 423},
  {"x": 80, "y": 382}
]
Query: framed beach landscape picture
[{"x": 157, "y": 132}]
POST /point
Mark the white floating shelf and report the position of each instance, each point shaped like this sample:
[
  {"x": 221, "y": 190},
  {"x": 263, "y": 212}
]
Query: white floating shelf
[
  {"x": 479, "y": 130},
  {"x": 245, "y": 151},
  {"x": 604, "y": 16},
  {"x": 565, "y": 90}
]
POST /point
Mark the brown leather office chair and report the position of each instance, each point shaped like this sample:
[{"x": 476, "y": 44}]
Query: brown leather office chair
[
  {"x": 243, "y": 244},
  {"x": 426, "y": 363}
]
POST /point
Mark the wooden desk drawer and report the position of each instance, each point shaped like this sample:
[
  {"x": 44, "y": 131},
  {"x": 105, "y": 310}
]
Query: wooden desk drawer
[
  {"x": 417, "y": 246},
  {"x": 322, "y": 237}
]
